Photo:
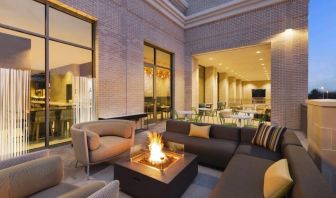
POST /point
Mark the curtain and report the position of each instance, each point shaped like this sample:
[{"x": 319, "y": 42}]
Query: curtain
[
  {"x": 14, "y": 112},
  {"x": 83, "y": 99}
]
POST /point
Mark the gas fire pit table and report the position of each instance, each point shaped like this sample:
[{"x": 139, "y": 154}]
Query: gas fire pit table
[{"x": 143, "y": 181}]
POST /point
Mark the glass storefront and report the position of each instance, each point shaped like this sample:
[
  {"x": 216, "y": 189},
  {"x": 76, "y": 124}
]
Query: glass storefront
[
  {"x": 30, "y": 45},
  {"x": 157, "y": 79}
]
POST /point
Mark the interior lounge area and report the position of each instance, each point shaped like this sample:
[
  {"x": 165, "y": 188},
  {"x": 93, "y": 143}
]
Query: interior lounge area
[
  {"x": 165, "y": 99},
  {"x": 235, "y": 84}
]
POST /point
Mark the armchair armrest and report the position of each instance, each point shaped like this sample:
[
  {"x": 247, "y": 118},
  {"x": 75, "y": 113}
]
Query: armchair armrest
[
  {"x": 111, "y": 190},
  {"x": 79, "y": 141},
  {"x": 84, "y": 191},
  {"x": 24, "y": 158}
]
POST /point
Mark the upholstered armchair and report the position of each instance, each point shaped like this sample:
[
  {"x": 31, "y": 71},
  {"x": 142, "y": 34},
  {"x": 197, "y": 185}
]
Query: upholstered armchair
[{"x": 99, "y": 141}]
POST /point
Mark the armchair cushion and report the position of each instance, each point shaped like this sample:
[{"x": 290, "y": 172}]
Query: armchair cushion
[
  {"x": 30, "y": 177},
  {"x": 93, "y": 140},
  {"x": 84, "y": 191},
  {"x": 110, "y": 146}
]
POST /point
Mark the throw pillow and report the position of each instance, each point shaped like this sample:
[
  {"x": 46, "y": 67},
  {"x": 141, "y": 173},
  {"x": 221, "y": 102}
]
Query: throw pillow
[
  {"x": 268, "y": 136},
  {"x": 199, "y": 131},
  {"x": 277, "y": 180}
]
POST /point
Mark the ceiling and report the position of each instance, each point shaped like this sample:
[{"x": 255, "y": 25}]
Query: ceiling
[{"x": 252, "y": 63}]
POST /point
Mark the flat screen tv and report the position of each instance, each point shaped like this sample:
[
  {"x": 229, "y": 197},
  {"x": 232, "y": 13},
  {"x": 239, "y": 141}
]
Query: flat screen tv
[{"x": 258, "y": 93}]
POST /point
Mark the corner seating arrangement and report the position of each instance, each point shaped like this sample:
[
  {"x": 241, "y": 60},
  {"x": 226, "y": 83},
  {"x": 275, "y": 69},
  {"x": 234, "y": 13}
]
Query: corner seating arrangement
[
  {"x": 40, "y": 175},
  {"x": 99, "y": 141},
  {"x": 244, "y": 164}
]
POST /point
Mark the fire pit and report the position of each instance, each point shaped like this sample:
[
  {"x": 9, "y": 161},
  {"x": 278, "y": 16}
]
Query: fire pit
[
  {"x": 157, "y": 169},
  {"x": 156, "y": 156}
]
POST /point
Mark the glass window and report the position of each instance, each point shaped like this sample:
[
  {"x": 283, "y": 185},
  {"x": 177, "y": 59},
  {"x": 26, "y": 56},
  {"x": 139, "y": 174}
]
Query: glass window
[
  {"x": 149, "y": 55},
  {"x": 27, "y": 15},
  {"x": 71, "y": 89},
  {"x": 23, "y": 57},
  {"x": 163, "y": 59},
  {"x": 69, "y": 28}
]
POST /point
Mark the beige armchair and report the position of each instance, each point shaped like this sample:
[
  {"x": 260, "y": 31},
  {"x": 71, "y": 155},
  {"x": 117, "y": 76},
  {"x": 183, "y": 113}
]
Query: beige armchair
[{"x": 99, "y": 141}]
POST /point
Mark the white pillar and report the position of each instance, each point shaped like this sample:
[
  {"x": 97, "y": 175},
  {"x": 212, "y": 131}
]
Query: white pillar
[
  {"x": 232, "y": 90},
  {"x": 211, "y": 86},
  {"x": 223, "y": 87}
]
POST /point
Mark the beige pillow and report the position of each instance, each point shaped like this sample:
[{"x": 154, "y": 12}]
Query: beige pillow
[
  {"x": 277, "y": 180},
  {"x": 199, "y": 131},
  {"x": 93, "y": 140}
]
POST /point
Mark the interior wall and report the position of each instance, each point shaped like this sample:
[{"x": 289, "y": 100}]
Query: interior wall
[{"x": 249, "y": 85}]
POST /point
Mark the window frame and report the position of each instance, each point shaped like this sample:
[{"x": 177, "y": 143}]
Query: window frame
[{"x": 47, "y": 39}]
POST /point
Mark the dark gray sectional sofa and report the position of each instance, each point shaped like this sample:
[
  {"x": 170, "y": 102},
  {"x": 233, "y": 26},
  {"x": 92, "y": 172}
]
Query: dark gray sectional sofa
[{"x": 244, "y": 164}]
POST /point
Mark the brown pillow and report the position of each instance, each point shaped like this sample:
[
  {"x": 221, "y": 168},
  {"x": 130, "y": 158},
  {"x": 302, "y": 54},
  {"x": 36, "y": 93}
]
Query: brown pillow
[{"x": 199, "y": 131}]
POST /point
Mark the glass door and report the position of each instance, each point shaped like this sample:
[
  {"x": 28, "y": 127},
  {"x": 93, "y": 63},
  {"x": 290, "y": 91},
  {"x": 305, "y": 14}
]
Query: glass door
[{"x": 157, "y": 79}]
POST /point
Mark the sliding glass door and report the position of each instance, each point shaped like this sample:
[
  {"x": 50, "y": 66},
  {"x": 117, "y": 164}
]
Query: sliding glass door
[
  {"x": 46, "y": 74},
  {"x": 157, "y": 79}
]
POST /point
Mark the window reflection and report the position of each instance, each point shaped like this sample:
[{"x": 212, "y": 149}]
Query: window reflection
[
  {"x": 69, "y": 28},
  {"x": 71, "y": 89},
  {"x": 27, "y": 15},
  {"x": 26, "y": 53}
]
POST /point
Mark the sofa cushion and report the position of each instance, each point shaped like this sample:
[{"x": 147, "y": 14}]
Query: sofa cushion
[
  {"x": 93, "y": 140},
  {"x": 242, "y": 178},
  {"x": 4, "y": 185},
  {"x": 199, "y": 131},
  {"x": 257, "y": 151},
  {"x": 178, "y": 126},
  {"x": 268, "y": 136},
  {"x": 34, "y": 176},
  {"x": 225, "y": 132},
  {"x": 289, "y": 138},
  {"x": 247, "y": 134},
  {"x": 110, "y": 147},
  {"x": 214, "y": 152},
  {"x": 308, "y": 181},
  {"x": 277, "y": 180}
]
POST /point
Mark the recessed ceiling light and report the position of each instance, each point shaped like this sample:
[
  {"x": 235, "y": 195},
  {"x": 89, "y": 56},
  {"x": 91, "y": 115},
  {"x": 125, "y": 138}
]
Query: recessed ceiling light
[
  {"x": 261, "y": 59},
  {"x": 220, "y": 64},
  {"x": 226, "y": 67},
  {"x": 211, "y": 58},
  {"x": 258, "y": 52},
  {"x": 263, "y": 64}
]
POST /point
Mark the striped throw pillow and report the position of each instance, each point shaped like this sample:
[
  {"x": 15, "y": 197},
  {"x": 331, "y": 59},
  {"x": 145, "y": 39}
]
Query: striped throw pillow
[{"x": 268, "y": 136}]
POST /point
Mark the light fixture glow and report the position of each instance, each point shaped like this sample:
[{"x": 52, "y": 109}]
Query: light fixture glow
[
  {"x": 211, "y": 59},
  {"x": 289, "y": 31},
  {"x": 261, "y": 59},
  {"x": 220, "y": 64},
  {"x": 258, "y": 52}
]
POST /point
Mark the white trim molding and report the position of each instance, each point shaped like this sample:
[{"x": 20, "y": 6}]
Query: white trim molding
[{"x": 225, "y": 10}]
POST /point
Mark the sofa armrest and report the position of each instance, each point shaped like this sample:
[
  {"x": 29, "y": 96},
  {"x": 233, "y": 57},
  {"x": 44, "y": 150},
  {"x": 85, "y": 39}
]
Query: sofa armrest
[
  {"x": 84, "y": 191},
  {"x": 80, "y": 145},
  {"x": 24, "y": 158},
  {"x": 111, "y": 190}
]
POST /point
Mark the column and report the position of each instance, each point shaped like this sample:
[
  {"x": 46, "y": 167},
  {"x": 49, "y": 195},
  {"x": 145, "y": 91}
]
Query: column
[
  {"x": 232, "y": 90},
  {"x": 223, "y": 87},
  {"x": 211, "y": 86}
]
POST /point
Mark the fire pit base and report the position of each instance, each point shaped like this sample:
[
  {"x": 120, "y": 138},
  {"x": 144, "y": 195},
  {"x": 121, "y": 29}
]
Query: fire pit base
[{"x": 139, "y": 180}]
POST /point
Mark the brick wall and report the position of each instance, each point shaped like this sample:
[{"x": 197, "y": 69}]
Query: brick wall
[
  {"x": 122, "y": 28},
  {"x": 289, "y": 51}
]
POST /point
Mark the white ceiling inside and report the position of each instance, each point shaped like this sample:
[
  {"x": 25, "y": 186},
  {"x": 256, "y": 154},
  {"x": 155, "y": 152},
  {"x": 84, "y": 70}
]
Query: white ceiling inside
[{"x": 252, "y": 63}]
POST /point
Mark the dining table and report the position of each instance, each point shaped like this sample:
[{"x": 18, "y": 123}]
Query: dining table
[
  {"x": 240, "y": 118},
  {"x": 186, "y": 114}
]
